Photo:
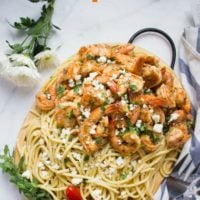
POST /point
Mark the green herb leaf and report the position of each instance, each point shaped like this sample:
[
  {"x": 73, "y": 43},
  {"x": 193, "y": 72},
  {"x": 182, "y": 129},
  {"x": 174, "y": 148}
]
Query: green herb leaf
[
  {"x": 90, "y": 57},
  {"x": 189, "y": 124},
  {"x": 133, "y": 87},
  {"x": 76, "y": 88},
  {"x": 123, "y": 175},
  {"x": 29, "y": 188},
  {"x": 37, "y": 31},
  {"x": 86, "y": 158},
  {"x": 154, "y": 138},
  {"x": 70, "y": 115},
  {"x": 98, "y": 140},
  {"x": 60, "y": 90},
  {"x": 104, "y": 105}
]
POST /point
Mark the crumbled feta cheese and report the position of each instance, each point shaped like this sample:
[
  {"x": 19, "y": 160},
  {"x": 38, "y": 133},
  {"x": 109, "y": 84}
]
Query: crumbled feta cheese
[
  {"x": 41, "y": 141},
  {"x": 76, "y": 181},
  {"x": 77, "y": 156},
  {"x": 71, "y": 83},
  {"x": 47, "y": 162},
  {"x": 138, "y": 123},
  {"x": 97, "y": 194},
  {"x": 102, "y": 59},
  {"x": 66, "y": 131},
  {"x": 123, "y": 129},
  {"x": 123, "y": 71},
  {"x": 92, "y": 129},
  {"x": 44, "y": 156},
  {"x": 59, "y": 156},
  {"x": 44, "y": 173},
  {"x": 85, "y": 112},
  {"x": 116, "y": 131},
  {"x": 64, "y": 141},
  {"x": 55, "y": 166},
  {"x": 40, "y": 165},
  {"x": 97, "y": 85},
  {"x": 156, "y": 118},
  {"x": 73, "y": 171},
  {"x": 122, "y": 195},
  {"x": 26, "y": 174},
  {"x": 48, "y": 96},
  {"x": 158, "y": 128},
  {"x": 80, "y": 91},
  {"x": 132, "y": 107},
  {"x": 111, "y": 99},
  {"x": 173, "y": 116},
  {"x": 114, "y": 77},
  {"x": 109, "y": 61},
  {"x": 78, "y": 77},
  {"x": 144, "y": 106},
  {"x": 120, "y": 161},
  {"x": 123, "y": 102}
]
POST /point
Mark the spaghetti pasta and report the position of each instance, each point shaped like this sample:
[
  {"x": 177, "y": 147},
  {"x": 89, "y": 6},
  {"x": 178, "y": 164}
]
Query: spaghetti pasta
[{"x": 57, "y": 155}]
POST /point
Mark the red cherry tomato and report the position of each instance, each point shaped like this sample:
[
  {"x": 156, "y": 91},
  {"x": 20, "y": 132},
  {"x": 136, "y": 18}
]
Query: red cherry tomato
[{"x": 72, "y": 193}]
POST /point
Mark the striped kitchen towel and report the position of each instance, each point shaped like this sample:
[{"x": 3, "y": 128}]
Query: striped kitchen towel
[{"x": 188, "y": 71}]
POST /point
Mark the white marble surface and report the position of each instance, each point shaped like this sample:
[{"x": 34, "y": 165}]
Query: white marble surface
[{"x": 82, "y": 22}]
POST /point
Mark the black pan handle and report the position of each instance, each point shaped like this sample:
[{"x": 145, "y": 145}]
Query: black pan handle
[{"x": 162, "y": 33}]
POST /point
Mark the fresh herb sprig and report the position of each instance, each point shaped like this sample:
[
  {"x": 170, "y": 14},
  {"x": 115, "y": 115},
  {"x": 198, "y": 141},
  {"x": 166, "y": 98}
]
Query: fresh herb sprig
[
  {"x": 29, "y": 188},
  {"x": 36, "y": 31}
]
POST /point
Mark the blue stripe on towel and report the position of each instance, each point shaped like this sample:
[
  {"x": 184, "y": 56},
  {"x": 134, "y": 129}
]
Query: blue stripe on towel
[
  {"x": 194, "y": 150},
  {"x": 198, "y": 41},
  {"x": 163, "y": 187},
  {"x": 184, "y": 68}
]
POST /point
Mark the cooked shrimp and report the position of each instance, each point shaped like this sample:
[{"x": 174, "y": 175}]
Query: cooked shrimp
[
  {"x": 127, "y": 144},
  {"x": 94, "y": 95},
  {"x": 148, "y": 144},
  {"x": 88, "y": 67},
  {"x": 94, "y": 131},
  {"x": 45, "y": 100},
  {"x": 94, "y": 50},
  {"x": 181, "y": 99},
  {"x": 145, "y": 115},
  {"x": 151, "y": 75},
  {"x": 177, "y": 135},
  {"x": 66, "y": 116},
  {"x": 151, "y": 60},
  {"x": 166, "y": 93},
  {"x": 125, "y": 82},
  {"x": 167, "y": 77},
  {"x": 69, "y": 95},
  {"x": 72, "y": 70},
  {"x": 120, "y": 111},
  {"x": 151, "y": 100},
  {"x": 123, "y": 49}
]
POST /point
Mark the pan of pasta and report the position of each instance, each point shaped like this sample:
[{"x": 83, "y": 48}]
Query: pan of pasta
[{"x": 108, "y": 125}]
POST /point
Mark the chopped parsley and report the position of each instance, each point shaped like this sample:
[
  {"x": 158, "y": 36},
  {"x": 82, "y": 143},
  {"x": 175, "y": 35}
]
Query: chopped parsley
[
  {"x": 60, "y": 90},
  {"x": 98, "y": 140},
  {"x": 86, "y": 157},
  {"x": 133, "y": 87},
  {"x": 70, "y": 114},
  {"x": 90, "y": 57},
  {"x": 123, "y": 175},
  {"x": 76, "y": 88},
  {"x": 154, "y": 138},
  {"x": 79, "y": 104},
  {"x": 105, "y": 103},
  {"x": 189, "y": 123}
]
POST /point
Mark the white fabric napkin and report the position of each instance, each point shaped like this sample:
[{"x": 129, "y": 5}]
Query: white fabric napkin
[{"x": 188, "y": 71}]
